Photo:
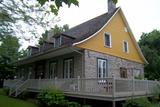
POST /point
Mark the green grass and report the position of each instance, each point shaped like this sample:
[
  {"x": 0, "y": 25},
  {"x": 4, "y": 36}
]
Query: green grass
[
  {"x": 156, "y": 105},
  {"x": 6, "y": 101}
]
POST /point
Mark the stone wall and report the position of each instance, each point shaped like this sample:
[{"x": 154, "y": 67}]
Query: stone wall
[{"x": 114, "y": 64}]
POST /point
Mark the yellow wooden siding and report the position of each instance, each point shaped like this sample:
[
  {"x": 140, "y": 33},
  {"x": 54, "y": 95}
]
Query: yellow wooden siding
[{"x": 116, "y": 29}]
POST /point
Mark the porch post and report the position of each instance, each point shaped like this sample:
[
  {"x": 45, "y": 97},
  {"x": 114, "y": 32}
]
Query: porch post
[
  {"x": 146, "y": 81},
  {"x": 78, "y": 83},
  {"x": 133, "y": 86},
  {"x": 113, "y": 87},
  {"x": 55, "y": 82},
  {"x": 113, "y": 104}
]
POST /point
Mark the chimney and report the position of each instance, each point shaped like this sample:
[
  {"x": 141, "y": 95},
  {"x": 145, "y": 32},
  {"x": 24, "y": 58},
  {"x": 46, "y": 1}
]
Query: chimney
[{"x": 111, "y": 6}]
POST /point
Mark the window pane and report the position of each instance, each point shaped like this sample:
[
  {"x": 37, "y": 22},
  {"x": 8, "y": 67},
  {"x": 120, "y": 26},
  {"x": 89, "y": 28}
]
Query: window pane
[
  {"x": 102, "y": 71},
  {"x": 107, "y": 40},
  {"x": 68, "y": 68},
  {"x": 125, "y": 46}
]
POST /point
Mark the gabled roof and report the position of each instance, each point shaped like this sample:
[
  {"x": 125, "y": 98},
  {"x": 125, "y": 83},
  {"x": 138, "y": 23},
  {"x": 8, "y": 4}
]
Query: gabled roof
[{"x": 88, "y": 28}]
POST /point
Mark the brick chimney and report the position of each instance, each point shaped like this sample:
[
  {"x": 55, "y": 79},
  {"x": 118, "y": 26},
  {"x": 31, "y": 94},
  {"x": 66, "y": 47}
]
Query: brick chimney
[{"x": 111, "y": 6}]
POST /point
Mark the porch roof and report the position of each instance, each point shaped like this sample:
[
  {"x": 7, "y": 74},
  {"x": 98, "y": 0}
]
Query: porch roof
[{"x": 47, "y": 54}]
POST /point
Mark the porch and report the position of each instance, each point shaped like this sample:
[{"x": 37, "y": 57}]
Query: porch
[{"x": 109, "y": 89}]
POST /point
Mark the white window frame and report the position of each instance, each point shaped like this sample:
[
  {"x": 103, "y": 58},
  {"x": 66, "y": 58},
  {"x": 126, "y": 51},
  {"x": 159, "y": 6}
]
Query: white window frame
[
  {"x": 110, "y": 40},
  {"x": 124, "y": 41},
  {"x": 102, "y": 73},
  {"x": 67, "y": 72},
  {"x": 52, "y": 70}
]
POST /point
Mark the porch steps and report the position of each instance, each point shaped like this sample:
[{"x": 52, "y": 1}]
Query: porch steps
[{"x": 18, "y": 88}]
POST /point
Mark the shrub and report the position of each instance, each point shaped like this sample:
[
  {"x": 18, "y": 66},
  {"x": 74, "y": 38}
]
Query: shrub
[
  {"x": 73, "y": 104},
  {"x": 51, "y": 97},
  {"x": 6, "y": 91},
  {"x": 86, "y": 106},
  {"x": 24, "y": 95},
  {"x": 140, "y": 102}
]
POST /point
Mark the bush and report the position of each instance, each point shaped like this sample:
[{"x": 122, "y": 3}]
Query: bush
[
  {"x": 6, "y": 91},
  {"x": 140, "y": 102},
  {"x": 24, "y": 95},
  {"x": 73, "y": 104},
  {"x": 86, "y": 106},
  {"x": 55, "y": 98},
  {"x": 51, "y": 97}
]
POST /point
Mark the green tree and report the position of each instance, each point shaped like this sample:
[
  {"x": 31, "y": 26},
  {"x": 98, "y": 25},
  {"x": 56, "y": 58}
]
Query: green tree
[
  {"x": 17, "y": 15},
  {"x": 9, "y": 54},
  {"x": 56, "y": 30},
  {"x": 150, "y": 46}
]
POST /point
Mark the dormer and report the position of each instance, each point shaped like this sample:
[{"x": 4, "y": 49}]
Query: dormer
[
  {"x": 62, "y": 40},
  {"x": 32, "y": 50},
  {"x": 46, "y": 45},
  {"x": 57, "y": 41}
]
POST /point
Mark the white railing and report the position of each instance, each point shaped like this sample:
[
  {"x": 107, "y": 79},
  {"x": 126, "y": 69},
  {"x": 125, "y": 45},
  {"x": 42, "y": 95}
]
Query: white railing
[{"x": 113, "y": 87}]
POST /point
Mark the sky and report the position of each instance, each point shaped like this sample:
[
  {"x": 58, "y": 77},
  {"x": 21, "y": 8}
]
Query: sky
[{"x": 142, "y": 15}]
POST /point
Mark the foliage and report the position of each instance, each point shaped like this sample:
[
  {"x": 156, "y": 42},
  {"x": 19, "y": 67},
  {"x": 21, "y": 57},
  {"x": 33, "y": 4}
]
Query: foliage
[
  {"x": 8, "y": 55},
  {"x": 6, "y": 101},
  {"x": 55, "y": 30},
  {"x": 86, "y": 106},
  {"x": 24, "y": 95},
  {"x": 56, "y": 4},
  {"x": 17, "y": 15},
  {"x": 150, "y": 46},
  {"x": 6, "y": 91},
  {"x": 51, "y": 97},
  {"x": 140, "y": 102}
]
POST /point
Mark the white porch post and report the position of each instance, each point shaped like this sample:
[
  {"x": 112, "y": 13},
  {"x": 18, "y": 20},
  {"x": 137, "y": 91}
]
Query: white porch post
[
  {"x": 133, "y": 86},
  {"x": 146, "y": 81},
  {"x": 113, "y": 104},
  {"x": 55, "y": 82},
  {"x": 113, "y": 86},
  {"x": 78, "y": 83}
]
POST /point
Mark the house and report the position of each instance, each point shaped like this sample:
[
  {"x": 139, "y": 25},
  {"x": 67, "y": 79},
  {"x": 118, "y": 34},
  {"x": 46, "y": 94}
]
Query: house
[{"x": 99, "y": 58}]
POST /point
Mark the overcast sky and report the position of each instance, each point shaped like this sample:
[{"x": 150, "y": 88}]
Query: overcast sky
[{"x": 142, "y": 15}]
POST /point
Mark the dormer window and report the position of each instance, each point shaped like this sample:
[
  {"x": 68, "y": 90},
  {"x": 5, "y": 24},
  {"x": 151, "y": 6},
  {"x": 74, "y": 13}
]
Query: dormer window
[
  {"x": 107, "y": 40},
  {"x": 125, "y": 47},
  {"x": 29, "y": 53},
  {"x": 57, "y": 41}
]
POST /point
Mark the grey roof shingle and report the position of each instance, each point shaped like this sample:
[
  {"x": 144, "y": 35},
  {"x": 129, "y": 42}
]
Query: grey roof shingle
[{"x": 88, "y": 28}]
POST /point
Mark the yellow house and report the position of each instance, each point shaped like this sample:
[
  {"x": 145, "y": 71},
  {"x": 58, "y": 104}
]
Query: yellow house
[
  {"x": 98, "y": 48},
  {"x": 97, "y": 59}
]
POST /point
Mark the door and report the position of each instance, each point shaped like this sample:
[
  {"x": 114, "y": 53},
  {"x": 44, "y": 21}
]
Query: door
[
  {"x": 53, "y": 70},
  {"x": 68, "y": 68}
]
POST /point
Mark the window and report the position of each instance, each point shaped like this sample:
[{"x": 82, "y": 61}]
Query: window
[
  {"x": 107, "y": 40},
  {"x": 125, "y": 46},
  {"x": 123, "y": 72},
  {"x": 102, "y": 68},
  {"x": 136, "y": 73},
  {"x": 57, "y": 41},
  {"x": 68, "y": 68},
  {"x": 53, "y": 70}
]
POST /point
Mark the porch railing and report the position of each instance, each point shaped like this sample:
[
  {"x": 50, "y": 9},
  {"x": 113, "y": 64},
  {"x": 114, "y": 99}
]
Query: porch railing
[{"x": 112, "y": 87}]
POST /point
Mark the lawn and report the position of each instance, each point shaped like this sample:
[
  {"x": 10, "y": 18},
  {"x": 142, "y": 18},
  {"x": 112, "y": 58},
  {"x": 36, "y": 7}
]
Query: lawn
[{"x": 6, "y": 101}]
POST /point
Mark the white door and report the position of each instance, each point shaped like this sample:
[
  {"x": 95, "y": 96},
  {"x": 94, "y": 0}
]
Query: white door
[
  {"x": 68, "y": 68},
  {"x": 53, "y": 70}
]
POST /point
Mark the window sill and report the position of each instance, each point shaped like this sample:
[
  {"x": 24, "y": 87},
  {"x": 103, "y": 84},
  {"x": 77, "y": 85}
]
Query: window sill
[{"x": 107, "y": 46}]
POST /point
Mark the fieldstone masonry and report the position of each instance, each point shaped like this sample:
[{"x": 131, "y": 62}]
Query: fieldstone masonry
[{"x": 114, "y": 64}]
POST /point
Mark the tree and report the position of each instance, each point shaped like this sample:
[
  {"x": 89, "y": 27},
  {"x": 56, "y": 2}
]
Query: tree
[
  {"x": 56, "y": 30},
  {"x": 150, "y": 46},
  {"x": 9, "y": 54},
  {"x": 17, "y": 15}
]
